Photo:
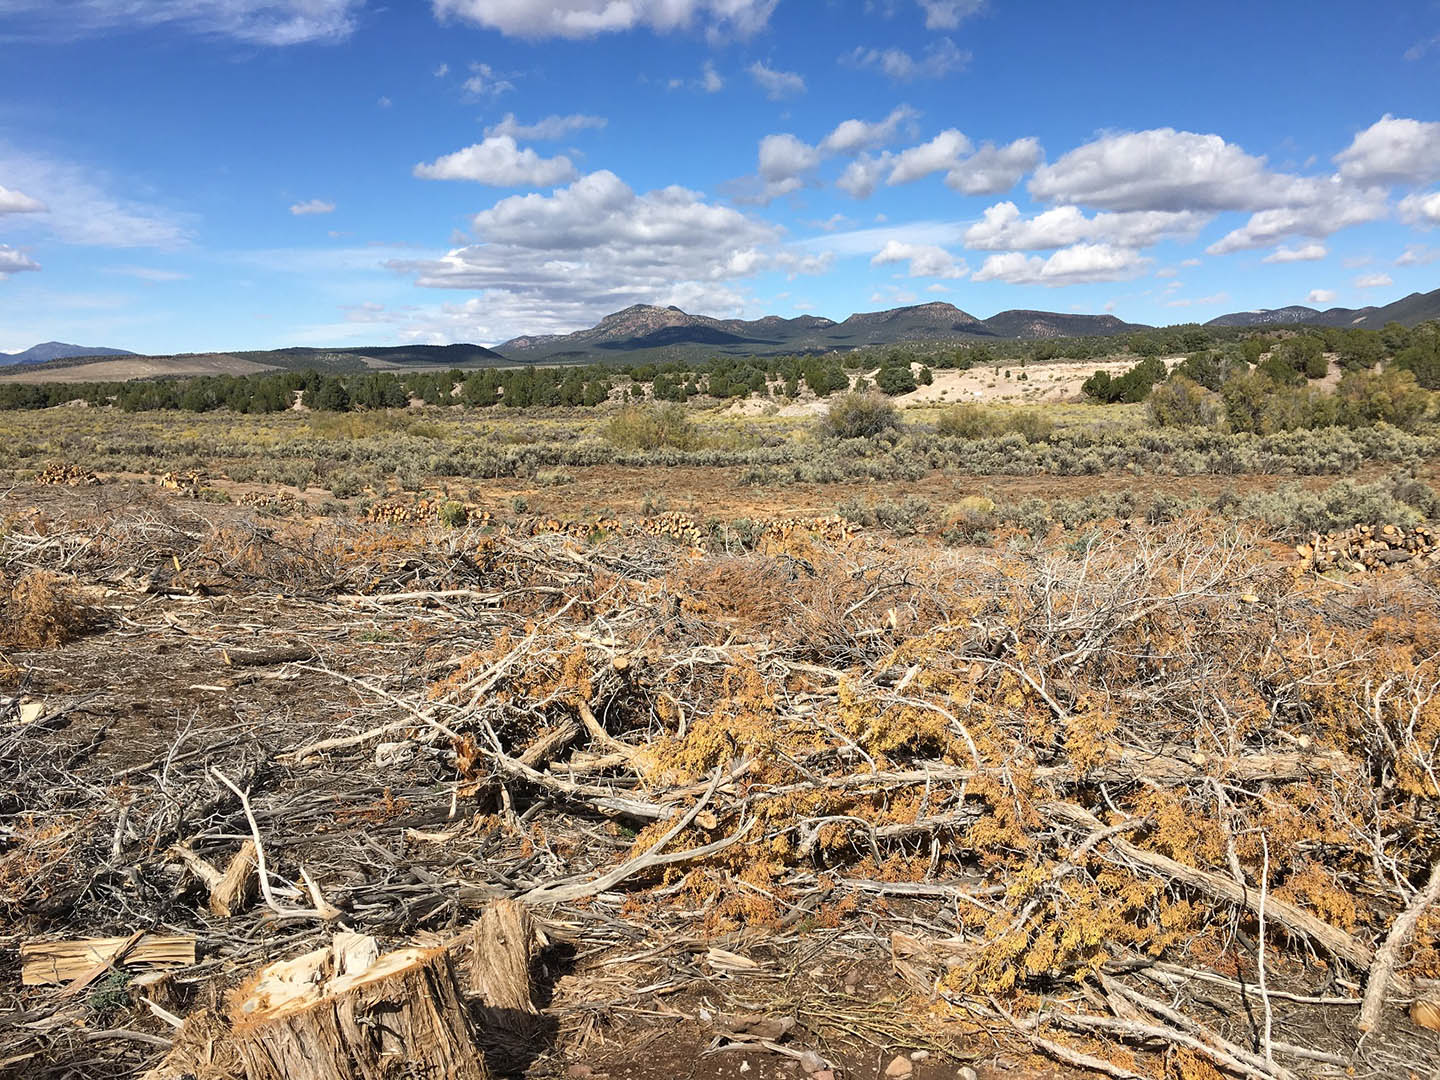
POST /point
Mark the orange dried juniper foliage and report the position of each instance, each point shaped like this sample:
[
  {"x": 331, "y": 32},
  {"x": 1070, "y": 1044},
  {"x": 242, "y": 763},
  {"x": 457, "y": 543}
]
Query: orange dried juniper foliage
[{"x": 43, "y": 610}]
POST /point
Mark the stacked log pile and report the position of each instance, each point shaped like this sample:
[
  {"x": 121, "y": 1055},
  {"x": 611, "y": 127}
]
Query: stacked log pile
[
  {"x": 67, "y": 476},
  {"x": 186, "y": 482},
  {"x": 427, "y": 511},
  {"x": 1367, "y": 548}
]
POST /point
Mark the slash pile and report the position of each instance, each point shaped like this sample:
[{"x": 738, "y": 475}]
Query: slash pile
[{"x": 1145, "y": 803}]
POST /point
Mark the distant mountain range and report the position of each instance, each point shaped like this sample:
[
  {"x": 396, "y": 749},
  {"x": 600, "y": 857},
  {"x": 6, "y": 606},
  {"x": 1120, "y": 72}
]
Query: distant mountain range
[
  {"x": 116, "y": 365},
  {"x": 1410, "y": 311},
  {"x": 57, "y": 350},
  {"x": 643, "y": 328},
  {"x": 647, "y": 333}
]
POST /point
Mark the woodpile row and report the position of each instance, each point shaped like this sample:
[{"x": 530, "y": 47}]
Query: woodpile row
[
  {"x": 1369, "y": 548},
  {"x": 66, "y": 476},
  {"x": 187, "y": 482},
  {"x": 427, "y": 511}
]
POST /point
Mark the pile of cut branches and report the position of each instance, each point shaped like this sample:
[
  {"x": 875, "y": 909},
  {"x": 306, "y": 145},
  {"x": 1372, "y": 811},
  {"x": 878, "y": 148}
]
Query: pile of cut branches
[{"x": 1137, "y": 802}]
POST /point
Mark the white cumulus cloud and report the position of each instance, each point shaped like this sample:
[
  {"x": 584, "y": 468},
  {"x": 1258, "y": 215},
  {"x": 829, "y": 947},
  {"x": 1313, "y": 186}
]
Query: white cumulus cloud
[
  {"x": 561, "y": 260},
  {"x": 499, "y": 162},
  {"x": 1308, "y": 253},
  {"x": 1321, "y": 296},
  {"x": 939, "y": 59},
  {"x": 993, "y": 169},
  {"x": 940, "y": 154},
  {"x": 312, "y": 206},
  {"x": 852, "y": 136},
  {"x": 1002, "y": 227},
  {"x": 1075, "y": 265},
  {"x": 1373, "y": 281},
  {"x": 1393, "y": 150},
  {"x": 1165, "y": 169},
  {"x": 1421, "y": 208},
  {"x": 926, "y": 260},
  {"x": 14, "y": 262},
  {"x": 17, "y": 202},
  {"x": 589, "y": 18},
  {"x": 485, "y": 81},
  {"x": 948, "y": 14},
  {"x": 1331, "y": 206},
  {"x": 778, "y": 85},
  {"x": 551, "y": 127}
]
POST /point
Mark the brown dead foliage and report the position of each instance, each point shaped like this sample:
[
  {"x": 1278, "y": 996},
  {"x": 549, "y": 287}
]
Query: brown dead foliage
[{"x": 42, "y": 610}]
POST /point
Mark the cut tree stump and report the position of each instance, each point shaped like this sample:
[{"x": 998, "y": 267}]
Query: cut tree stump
[
  {"x": 502, "y": 947},
  {"x": 346, "y": 1013},
  {"x": 403, "y": 1015}
]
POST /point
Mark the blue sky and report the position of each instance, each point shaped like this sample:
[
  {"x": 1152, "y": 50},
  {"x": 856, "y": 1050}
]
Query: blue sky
[{"x": 185, "y": 175}]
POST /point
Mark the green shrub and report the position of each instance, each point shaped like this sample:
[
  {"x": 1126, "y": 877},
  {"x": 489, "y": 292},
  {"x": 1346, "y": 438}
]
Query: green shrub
[
  {"x": 904, "y": 517},
  {"x": 1294, "y": 511},
  {"x": 859, "y": 416},
  {"x": 453, "y": 514},
  {"x": 1390, "y": 396},
  {"x": 651, "y": 427},
  {"x": 895, "y": 379},
  {"x": 967, "y": 421},
  {"x": 1181, "y": 402}
]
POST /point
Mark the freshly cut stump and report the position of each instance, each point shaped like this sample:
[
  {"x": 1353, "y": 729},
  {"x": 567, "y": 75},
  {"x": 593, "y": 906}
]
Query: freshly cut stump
[
  {"x": 404, "y": 1015},
  {"x": 503, "y": 944}
]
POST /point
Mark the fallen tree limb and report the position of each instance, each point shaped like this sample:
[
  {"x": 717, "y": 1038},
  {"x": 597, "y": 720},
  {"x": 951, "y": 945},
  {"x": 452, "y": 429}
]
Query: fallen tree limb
[
  {"x": 1296, "y": 920},
  {"x": 1383, "y": 969}
]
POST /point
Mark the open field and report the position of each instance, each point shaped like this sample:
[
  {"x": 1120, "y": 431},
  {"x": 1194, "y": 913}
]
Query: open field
[{"x": 1061, "y": 745}]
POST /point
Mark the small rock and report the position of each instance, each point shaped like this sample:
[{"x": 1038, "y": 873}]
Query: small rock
[
  {"x": 823, "y": 1074},
  {"x": 579, "y": 1072},
  {"x": 967, "y": 1073},
  {"x": 919, "y": 1055},
  {"x": 744, "y": 1066},
  {"x": 899, "y": 1067},
  {"x": 812, "y": 1062}
]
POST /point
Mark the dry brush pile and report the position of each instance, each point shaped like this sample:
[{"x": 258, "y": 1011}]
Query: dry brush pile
[{"x": 1152, "y": 804}]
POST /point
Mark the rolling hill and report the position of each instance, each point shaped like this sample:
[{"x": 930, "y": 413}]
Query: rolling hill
[
  {"x": 57, "y": 350},
  {"x": 116, "y": 366},
  {"x": 1408, "y": 311}
]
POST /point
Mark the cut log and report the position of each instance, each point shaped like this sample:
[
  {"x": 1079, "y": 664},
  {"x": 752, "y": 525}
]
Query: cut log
[
  {"x": 403, "y": 1016},
  {"x": 45, "y": 963},
  {"x": 345, "y": 1013},
  {"x": 236, "y": 887},
  {"x": 503, "y": 944},
  {"x": 231, "y": 890},
  {"x": 1383, "y": 969}
]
